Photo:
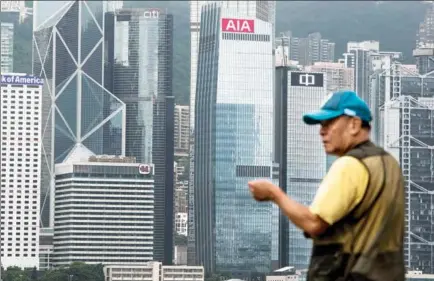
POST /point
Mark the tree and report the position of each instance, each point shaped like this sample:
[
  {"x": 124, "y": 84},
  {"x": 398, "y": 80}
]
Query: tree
[
  {"x": 78, "y": 271},
  {"x": 15, "y": 273},
  {"x": 55, "y": 275},
  {"x": 221, "y": 276},
  {"x": 34, "y": 274}
]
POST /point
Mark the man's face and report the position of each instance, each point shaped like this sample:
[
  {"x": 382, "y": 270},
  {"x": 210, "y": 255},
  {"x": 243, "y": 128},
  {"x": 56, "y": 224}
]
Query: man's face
[{"x": 338, "y": 134}]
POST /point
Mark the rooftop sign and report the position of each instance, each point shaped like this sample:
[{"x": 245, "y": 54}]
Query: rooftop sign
[
  {"x": 21, "y": 80},
  {"x": 151, "y": 14},
  {"x": 238, "y": 25},
  {"x": 306, "y": 79},
  {"x": 145, "y": 169}
]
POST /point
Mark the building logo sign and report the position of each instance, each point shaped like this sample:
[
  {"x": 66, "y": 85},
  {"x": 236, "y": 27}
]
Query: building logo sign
[
  {"x": 306, "y": 79},
  {"x": 21, "y": 80},
  {"x": 151, "y": 14},
  {"x": 145, "y": 169},
  {"x": 238, "y": 25}
]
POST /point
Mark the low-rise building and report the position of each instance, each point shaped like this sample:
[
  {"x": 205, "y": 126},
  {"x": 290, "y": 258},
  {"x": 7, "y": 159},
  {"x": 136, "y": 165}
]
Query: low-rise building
[{"x": 153, "y": 271}]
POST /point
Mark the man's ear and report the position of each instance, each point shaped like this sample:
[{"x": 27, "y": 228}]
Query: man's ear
[{"x": 355, "y": 126}]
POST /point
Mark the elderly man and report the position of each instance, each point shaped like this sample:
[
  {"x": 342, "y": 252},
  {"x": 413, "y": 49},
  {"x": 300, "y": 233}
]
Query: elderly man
[{"x": 356, "y": 219}]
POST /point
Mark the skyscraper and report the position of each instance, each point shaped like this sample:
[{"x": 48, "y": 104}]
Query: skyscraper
[
  {"x": 264, "y": 10},
  {"x": 20, "y": 169},
  {"x": 311, "y": 49},
  {"x": 407, "y": 132},
  {"x": 233, "y": 141},
  {"x": 80, "y": 117},
  {"x": 358, "y": 57},
  {"x": 304, "y": 157},
  {"x": 425, "y": 35},
  {"x": 139, "y": 72}
]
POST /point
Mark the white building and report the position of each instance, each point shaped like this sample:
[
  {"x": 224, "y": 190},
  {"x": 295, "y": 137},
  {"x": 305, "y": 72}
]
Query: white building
[
  {"x": 154, "y": 271},
  {"x": 418, "y": 276},
  {"x": 306, "y": 159},
  {"x": 104, "y": 211},
  {"x": 180, "y": 255},
  {"x": 20, "y": 169},
  {"x": 182, "y": 132},
  {"x": 369, "y": 45},
  {"x": 7, "y": 47},
  {"x": 181, "y": 223},
  {"x": 18, "y": 7},
  {"x": 338, "y": 76},
  {"x": 111, "y": 6}
]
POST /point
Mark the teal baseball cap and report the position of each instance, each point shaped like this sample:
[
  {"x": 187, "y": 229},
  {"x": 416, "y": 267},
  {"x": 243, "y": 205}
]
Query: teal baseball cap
[{"x": 338, "y": 104}]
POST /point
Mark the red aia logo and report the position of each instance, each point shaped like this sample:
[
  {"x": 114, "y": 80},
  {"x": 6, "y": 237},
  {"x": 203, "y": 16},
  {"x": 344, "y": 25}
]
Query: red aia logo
[
  {"x": 144, "y": 169},
  {"x": 238, "y": 25}
]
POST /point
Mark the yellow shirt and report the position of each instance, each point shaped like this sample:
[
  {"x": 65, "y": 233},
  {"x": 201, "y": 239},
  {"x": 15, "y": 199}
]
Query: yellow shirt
[{"x": 341, "y": 190}]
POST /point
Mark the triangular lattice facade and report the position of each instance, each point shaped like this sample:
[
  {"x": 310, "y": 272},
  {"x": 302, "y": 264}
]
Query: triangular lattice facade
[{"x": 77, "y": 109}]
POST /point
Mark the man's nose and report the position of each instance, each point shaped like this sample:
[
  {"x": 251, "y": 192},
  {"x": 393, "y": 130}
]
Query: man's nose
[{"x": 322, "y": 130}]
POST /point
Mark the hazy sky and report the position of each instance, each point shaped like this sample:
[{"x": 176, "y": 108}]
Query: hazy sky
[{"x": 43, "y": 10}]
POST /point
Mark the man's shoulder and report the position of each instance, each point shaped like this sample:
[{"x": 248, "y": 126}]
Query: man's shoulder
[{"x": 347, "y": 163}]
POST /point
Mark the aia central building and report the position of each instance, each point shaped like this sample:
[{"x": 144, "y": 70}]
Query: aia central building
[{"x": 233, "y": 142}]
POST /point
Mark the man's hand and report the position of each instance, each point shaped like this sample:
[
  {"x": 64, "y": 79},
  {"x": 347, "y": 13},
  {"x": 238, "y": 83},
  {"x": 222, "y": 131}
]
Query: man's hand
[
  {"x": 301, "y": 216},
  {"x": 263, "y": 190}
]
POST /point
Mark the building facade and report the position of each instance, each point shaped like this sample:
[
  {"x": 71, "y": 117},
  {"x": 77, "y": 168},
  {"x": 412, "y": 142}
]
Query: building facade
[
  {"x": 154, "y": 271},
  {"x": 7, "y": 47},
  {"x": 182, "y": 130},
  {"x": 424, "y": 59},
  {"x": 20, "y": 171},
  {"x": 407, "y": 111},
  {"x": 338, "y": 76},
  {"x": 306, "y": 161},
  {"x": 418, "y": 276},
  {"x": 78, "y": 111},
  {"x": 425, "y": 35},
  {"x": 311, "y": 49},
  {"x": 264, "y": 10},
  {"x": 233, "y": 141},
  {"x": 104, "y": 212},
  {"x": 139, "y": 72},
  {"x": 181, "y": 223},
  {"x": 181, "y": 200},
  {"x": 358, "y": 58}
]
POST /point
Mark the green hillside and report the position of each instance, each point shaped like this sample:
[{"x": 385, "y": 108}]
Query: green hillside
[{"x": 393, "y": 23}]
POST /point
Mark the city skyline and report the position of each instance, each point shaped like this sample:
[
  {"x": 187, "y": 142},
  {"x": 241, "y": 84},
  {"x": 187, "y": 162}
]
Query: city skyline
[{"x": 108, "y": 92}]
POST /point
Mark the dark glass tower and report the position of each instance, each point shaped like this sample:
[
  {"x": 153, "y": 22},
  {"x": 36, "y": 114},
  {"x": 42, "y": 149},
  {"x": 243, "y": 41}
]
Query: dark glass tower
[{"x": 140, "y": 58}]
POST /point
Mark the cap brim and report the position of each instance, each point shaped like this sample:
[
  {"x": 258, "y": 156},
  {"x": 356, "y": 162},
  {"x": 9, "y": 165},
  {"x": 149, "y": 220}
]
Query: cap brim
[{"x": 317, "y": 117}]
